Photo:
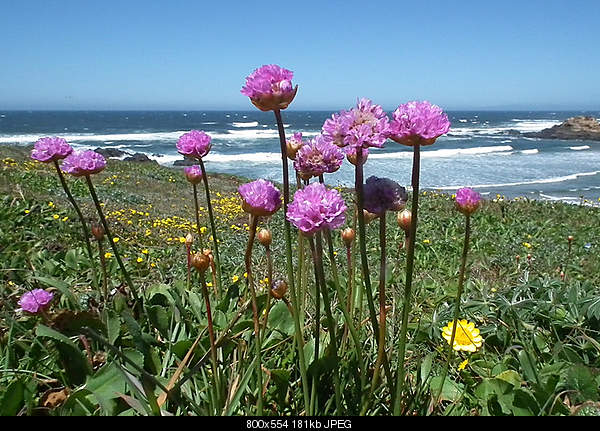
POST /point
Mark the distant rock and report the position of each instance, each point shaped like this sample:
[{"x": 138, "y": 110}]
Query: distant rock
[
  {"x": 584, "y": 128},
  {"x": 185, "y": 162},
  {"x": 110, "y": 152},
  {"x": 139, "y": 157}
]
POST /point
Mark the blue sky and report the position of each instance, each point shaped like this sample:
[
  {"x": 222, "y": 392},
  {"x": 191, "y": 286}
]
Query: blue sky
[{"x": 180, "y": 54}]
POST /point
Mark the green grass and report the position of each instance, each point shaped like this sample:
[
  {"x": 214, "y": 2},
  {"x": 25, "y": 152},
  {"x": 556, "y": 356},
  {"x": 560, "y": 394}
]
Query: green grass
[{"x": 542, "y": 343}]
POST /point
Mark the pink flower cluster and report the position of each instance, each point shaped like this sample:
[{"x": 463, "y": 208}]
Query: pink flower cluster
[
  {"x": 260, "y": 198},
  {"x": 270, "y": 87},
  {"x": 418, "y": 122},
  {"x": 365, "y": 125},
  {"x": 318, "y": 157},
  {"x": 83, "y": 163},
  {"x": 35, "y": 301},
  {"x": 51, "y": 149},
  {"x": 194, "y": 143},
  {"x": 467, "y": 200},
  {"x": 193, "y": 174},
  {"x": 315, "y": 208}
]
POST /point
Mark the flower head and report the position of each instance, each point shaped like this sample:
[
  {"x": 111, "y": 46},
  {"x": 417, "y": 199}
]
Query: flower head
[
  {"x": 83, "y": 163},
  {"x": 51, "y": 149},
  {"x": 315, "y": 208},
  {"x": 35, "y": 301},
  {"x": 270, "y": 88},
  {"x": 193, "y": 174},
  {"x": 467, "y": 200},
  {"x": 352, "y": 156},
  {"x": 260, "y": 197},
  {"x": 293, "y": 144},
  {"x": 383, "y": 194},
  {"x": 418, "y": 122},
  {"x": 194, "y": 143},
  {"x": 318, "y": 157},
  {"x": 467, "y": 337}
]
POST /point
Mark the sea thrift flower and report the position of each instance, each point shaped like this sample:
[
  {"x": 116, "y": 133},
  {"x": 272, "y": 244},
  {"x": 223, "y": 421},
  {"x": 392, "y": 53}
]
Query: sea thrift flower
[
  {"x": 467, "y": 200},
  {"x": 383, "y": 194},
  {"x": 352, "y": 157},
  {"x": 293, "y": 144},
  {"x": 318, "y": 157},
  {"x": 194, "y": 143},
  {"x": 193, "y": 174},
  {"x": 270, "y": 88},
  {"x": 315, "y": 208},
  {"x": 418, "y": 122},
  {"x": 83, "y": 163},
  {"x": 260, "y": 197},
  {"x": 50, "y": 149},
  {"x": 35, "y": 301}
]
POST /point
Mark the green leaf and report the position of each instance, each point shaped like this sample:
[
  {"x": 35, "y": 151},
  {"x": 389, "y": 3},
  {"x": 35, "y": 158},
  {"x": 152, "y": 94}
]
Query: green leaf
[
  {"x": 580, "y": 379},
  {"x": 106, "y": 383},
  {"x": 240, "y": 390},
  {"x": 511, "y": 377},
  {"x": 197, "y": 305},
  {"x": 159, "y": 318},
  {"x": 451, "y": 391},
  {"x": 281, "y": 319},
  {"x": 113, "y": 326},
  {"x": 71, "y": 259},
  {"x": 13, "y": 399},
  {"x": 496, "y": 390},
  {"x": 527, "y": 366}
]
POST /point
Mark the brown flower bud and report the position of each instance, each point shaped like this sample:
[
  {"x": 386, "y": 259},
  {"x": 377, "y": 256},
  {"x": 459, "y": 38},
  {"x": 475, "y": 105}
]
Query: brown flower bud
[
  {"x": 189, "y": 239},
  {"x": 200, "y": 261},
  {"x": 97, "y": 231},
  {"x": 570, "y": 238},
  {"x": 292, "y": 147},
  {"x": 348, "y": 235},
  {"x": 404, "y": 219},
  {"x": 273, "y": 101},
  {"x": 369, "y": 217},
  {"x": 278, "y": 289},
  {"x": 264, "y": 237}
]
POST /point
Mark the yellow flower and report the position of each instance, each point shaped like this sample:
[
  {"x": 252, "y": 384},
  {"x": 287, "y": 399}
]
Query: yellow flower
[
  {"x": 27, "y": 211},
  {"x": 527, "y": 245},
  {"x": 182, "y": 239},
  {"x": 203, "y": 230},
  {"x": 144, "y": 251},
  {"x": 140, "y": 260},
  {"x": 107, "y": 255},
  {"x": 152, "y": 264},
  {"x": 467, "y": 336},
  {"x": 426, "y": 241},
  {"x": 463, "y": 365},
  {"x": 51, "y": 204},
  {"x": 235, "y": 278},
  {"x": 65, "y": 218},
  {"x": 115, "y": 240},
  {"x": 209, "y": 284},
  {"x": 245, "y": 275},
  {"x": 56, "y": 216}
]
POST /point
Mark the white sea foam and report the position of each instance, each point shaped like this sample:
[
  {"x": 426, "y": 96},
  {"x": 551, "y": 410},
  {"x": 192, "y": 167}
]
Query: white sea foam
[
  {"x": 532, "y": 151},
  {"x": 579, "y": 148},
  {"x": 524, "y": 183},
  {"x": 88, "y": 137},
  {"x": 449, "y": 152},
  {"x": 245, "y": 124}
]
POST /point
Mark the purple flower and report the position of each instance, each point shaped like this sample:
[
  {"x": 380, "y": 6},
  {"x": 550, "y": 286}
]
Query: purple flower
[
  {"x": 315, "y": 208},
  {"x": 318, "y": 157},
  {"x": 270, "y": 88},
  {"x": 194, "y": 143},
  {"x": 293, "y": 144},
  {"x": 51, "y": 149},
  {"x": 467, "y": 201},
  {"x": 83, "y": 163},
  {"x": 418, "y": 122},
  {"x": 365, "y": 125},
  {"x": 193, "y": 174},
  {"x": 260, "y": 198},
  {"x": 35, "y": 301},
  {"x": 383, "y": 194}
]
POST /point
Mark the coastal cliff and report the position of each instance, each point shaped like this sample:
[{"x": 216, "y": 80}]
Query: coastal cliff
[{"x": 584, "y": 128}]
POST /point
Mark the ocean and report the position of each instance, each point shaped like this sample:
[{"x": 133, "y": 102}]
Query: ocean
[{"x": 483, "y": 149}]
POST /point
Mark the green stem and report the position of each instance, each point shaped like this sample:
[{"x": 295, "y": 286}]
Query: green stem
[
  {"x": 212, "y": 226},
  {"x": 410, "y": 256},
  {"x": 289, "y": 265},
  {"x": 250, "y": 284},
  {"x": 110, "y": 237},
  {"x": 269, "y": 284},
  {"x": 461, "y": 280},
  {"x": 198, "y": 217},
  {"x": 86, "y": 232},
  {"x": 103, "y": 268},
  {"x": 211, "y": 336}
]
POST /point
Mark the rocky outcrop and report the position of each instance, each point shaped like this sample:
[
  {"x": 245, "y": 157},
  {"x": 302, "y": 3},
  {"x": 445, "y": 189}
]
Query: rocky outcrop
[
  {"x": 585, "y": 128},
  {"x": 185, "y": 162},
  {"x": 139, "y": 157},
  {"x": 110, "y": 152}
]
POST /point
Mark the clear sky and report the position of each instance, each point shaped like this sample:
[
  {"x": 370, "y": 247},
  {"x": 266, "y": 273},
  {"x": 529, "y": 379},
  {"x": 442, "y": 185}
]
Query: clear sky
[{"x": 194, "y": 54}]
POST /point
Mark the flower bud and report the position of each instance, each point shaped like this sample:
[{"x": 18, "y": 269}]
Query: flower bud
[
  {"x": 189, "y": 239},
  {"x": 278, "y": 289},
  {"x": 348, "y": 235},
  {"x": 200, "y": 261},
  {"x": 404, "y": 219},
  {"x": 193, "y": 174},
  {"x": 264, "y": 237},
  {"x": 293, "y": 144},
  {"x": 97, "y": 231},
  {"x": 369, "y": 217},
  {"x": 570, "y": 238}
]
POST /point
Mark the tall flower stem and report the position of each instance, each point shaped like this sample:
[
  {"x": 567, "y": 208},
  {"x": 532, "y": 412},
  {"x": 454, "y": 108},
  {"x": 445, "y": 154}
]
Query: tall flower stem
[
  {"x": 318, "y": 261},
  {"x": 86, "y": 232},
  {"x": 461, "y": 281},
  {"x": 211, "y": 336},
  {"x": 212, "y": 225},
  {"x": 110, "y": 238},
  {"x": 290, "y": 270},
  {"x": 103, "y": 268},
  {"x": 269, "y": 284},
  {"x": 250, "y": 284},
  {"x": 410, "y": 257},
  {"x": 329, "y": 240},
  {"x": 198, "y": 216}
]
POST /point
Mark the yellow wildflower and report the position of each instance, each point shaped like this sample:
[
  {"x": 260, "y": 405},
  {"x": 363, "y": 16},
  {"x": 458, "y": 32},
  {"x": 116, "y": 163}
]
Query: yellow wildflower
[
  {"x": 51, "y": 204},
  {"x": 463, "y": 365},
  {"x": 467, "y": 337},
  {"x": 235, "y": 278},
  {"x": 65, "y": 218},
  {"x": 426, "y": 241},
  {"x": 56, "y": 216},
  {"x": 27, "y": 211},
  {"x": 140, "y": 260},
  {"x": 144, "y": 251},
  {"x": 527, "y": 245},
  {"x": 107, "y": 255},
  {"x": 116, "y": 240},
  {"x": 203, "y": 230}
]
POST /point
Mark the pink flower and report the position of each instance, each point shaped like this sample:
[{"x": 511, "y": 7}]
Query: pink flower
[
  {"x": 318, "y": 157},
  {"x": 293, "y": 144},
  {"x": 383, "y": 194},
  {"x": 418, "y": 122},
  {"x": 193, "y": 174},
  {"x": 270, "y": 88},
  {"x": 35, "y": 301},
  {"x": 467, "y": 200},
  {"x": 51, "y": 149},
  {"x": 194, "y": 143},
  {"x": 83, "y": 163},
  {"x": 260, "y": 198},
  {"x": 315, "y": 208}
]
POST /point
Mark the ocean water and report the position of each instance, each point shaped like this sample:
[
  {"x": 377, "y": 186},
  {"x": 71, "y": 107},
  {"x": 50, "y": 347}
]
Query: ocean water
[{"x": 483, "y": 149}]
